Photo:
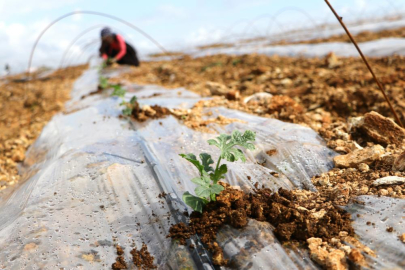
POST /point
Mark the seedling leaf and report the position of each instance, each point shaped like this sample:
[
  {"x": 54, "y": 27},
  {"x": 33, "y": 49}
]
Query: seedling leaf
[
  {"x": 220, "y": 173},
  {"x": 216, "y": 189},
  {"x": 103, "y": 82},
  {"x": 202, "y": 191},
  {"x": 206, "y": 160},
  {"x": 133, "y": 100},
  {"x": 118, "y": 91},
  {"x": 204, "y": 180},
  {"x": 208, "y": 188},
  {"x": 127, "y": 111},
  {"x": 194, "y": 202},
  {"x": 193, "y": 159},
  {"x": 226, "y": 144}
]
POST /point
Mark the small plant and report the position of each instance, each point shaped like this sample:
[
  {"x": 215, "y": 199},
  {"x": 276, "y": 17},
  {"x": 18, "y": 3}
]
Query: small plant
[
  {"x": 103, "y": 82},
  {"x": 236, "y": 61},
  {"x": 215, "y": 64},
  {"x": 208, "y": 186},
  {"x": 129, "y": 106},
  {"x": 118, "y": 91}
]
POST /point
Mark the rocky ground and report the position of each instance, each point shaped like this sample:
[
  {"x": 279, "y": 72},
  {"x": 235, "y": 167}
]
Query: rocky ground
[
  {"x": 336, "y": 97},
  {"x": 25, "y": 111}
]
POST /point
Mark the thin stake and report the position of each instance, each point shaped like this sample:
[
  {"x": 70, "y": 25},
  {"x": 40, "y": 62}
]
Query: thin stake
[{"x": 366, "y": 62}]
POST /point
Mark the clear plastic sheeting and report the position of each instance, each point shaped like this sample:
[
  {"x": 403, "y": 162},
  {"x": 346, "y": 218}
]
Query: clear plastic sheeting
[
  {"x": 371, "y": 222},
  {"x": 376, "y": 48},
  {"x": 93, "y": 182}
]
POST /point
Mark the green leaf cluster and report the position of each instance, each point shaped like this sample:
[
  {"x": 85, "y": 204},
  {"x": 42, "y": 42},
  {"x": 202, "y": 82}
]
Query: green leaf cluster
[
  {"x": 118, "y": 91},
  {"x": 103, "y": 82},
  {"x": 207, "y": 183}
]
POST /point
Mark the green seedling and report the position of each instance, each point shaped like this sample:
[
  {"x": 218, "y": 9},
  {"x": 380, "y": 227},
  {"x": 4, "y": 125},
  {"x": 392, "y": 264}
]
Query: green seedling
[
  {"x": 103, "y": 82},
  {"x": 211, "y": 65},
  {"x": 208, "y": 186},
  {"x": 129, "y": 106},
  {"x": 236, "y": 61},
  {"x": 118, "y": 91}
]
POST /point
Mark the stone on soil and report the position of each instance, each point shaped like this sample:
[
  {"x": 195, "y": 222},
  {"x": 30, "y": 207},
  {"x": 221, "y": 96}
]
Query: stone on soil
[
  {"x": 389, "y": 180},
  {"x": 354, "y": 159},
  {"x": 399, "y": 163},
  {"x": 379, "y": 128},
  {"x": 217, "y": 88}
]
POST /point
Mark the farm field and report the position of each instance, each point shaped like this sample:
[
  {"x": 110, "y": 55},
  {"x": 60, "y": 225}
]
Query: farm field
[{"x": 261, "y": 153}]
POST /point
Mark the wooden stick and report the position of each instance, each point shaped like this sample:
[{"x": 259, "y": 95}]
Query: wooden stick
[{"x": 366, "y": 62}]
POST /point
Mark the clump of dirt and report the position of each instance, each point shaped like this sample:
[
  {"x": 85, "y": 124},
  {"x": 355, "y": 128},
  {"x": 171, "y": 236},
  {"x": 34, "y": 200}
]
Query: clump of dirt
[
  {"x": 120, "y": 260},
  {"x": 95, "y": 92},
  {"x": 162, "y": 195},
  {"x": 296, "y": 215},
  {"x": 142, "y": 258},
  {"x": 195, "y": 118},
  {"x": 148, "y": 112}
]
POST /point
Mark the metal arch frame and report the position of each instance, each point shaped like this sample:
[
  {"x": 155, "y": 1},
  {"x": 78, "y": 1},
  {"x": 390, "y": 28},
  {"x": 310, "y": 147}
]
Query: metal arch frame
[
  {"x": 76, "y": 39},
  {"x": 264, "y": 16},
  {"x": 90, "y": 13},
  {"x": 66, "y": 53},
  {"x": 281, "y": 11},
  {"x": 84, "y": 49}
]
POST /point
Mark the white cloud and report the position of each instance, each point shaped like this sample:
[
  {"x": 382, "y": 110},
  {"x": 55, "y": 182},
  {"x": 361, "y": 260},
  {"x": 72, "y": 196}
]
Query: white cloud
[
  {"x": 18, "y": 39},
  {"x": 170, "y": 10},
  {"x": 204, "y": 35},
  {"x": 11, "y": 8},
  {"x": 361, "y": 3}
]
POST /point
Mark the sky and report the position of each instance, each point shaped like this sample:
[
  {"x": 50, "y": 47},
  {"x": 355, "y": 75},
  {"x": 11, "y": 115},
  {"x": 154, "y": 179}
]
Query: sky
[{"x": 176, "y": 25}]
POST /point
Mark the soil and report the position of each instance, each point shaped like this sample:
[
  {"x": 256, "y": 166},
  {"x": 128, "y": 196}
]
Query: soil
[
  {"x": 142, "y": 258},
  {"x": 322, "y": 95},
  {"x": 120, "y": 260},
  {"x": 341, "y": 185},
  {"x": 364, "y": 36},
  {"x": 195, "y": 118},
  {"x": 148, "y": 112},
  {"x": 296, "y": 215},
  {"x": 23, "y": 114},
  {"x": 360, "y": 37},
  {"x": 96, "y": 92}
]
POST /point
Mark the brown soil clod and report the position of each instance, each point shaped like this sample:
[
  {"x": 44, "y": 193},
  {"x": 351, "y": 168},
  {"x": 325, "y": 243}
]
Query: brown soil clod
[
  {"x": 142, "y": 258},
  {"x": 296, "y": 215},
  {"x": 148, "y": 112},
  {"x": 162, "y": 195},
  {"x": 119, "y": 263},
  {"x": 120, "y": 260}
]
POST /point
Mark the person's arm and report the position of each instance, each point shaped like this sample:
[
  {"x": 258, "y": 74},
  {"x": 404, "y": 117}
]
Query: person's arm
[
  {"x": 123, "y": 47},
  {"x": 102, "y": 51}
]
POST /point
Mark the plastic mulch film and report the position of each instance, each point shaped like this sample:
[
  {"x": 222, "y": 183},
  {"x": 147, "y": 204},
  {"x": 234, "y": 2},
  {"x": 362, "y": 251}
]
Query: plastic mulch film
[
  {"x": 373, "y": 221},
  {"x": 93, "y": 188},
  {"x": 93, "y": 181}
]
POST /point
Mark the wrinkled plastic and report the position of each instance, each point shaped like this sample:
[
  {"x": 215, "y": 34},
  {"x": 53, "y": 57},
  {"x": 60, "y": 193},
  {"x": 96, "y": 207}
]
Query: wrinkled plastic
[
  {"x": 92, "y": 181},
  {"x": 371, "y": 221}
]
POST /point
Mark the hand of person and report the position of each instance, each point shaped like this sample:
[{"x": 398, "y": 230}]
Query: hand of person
[{"x": 110, "y": 61}]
